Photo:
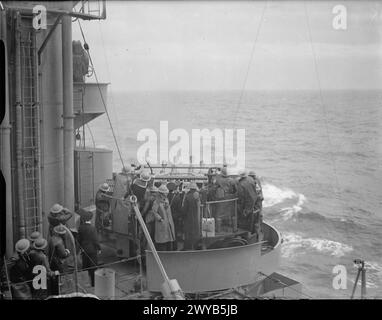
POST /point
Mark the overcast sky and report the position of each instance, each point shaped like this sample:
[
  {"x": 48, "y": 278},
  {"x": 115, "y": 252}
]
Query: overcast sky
[{"x": 207, "y": 45}]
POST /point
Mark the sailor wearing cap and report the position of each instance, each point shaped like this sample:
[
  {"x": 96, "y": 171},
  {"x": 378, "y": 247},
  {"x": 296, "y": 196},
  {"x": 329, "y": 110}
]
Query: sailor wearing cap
[
  {"x": 20, "y": 270},
  {"x": 259, "y": 189},
  {"x": 148, "y": 215},
  {"x": 58, "y": 215},
  {"x": 90, "y": 247},
  {"x": 139, "y": 186},
  {"x": 175, "y": 199},
  {"x": 258, "y": 204},
  {"x": 248, "y": 218},
  {"x": 191, "y": 211},
  {"x": 57, "y": 251},
  {"x": 102, "y": 203},
  {"x": 39, "y": 258},
  {"x": 164, "y": 224}
]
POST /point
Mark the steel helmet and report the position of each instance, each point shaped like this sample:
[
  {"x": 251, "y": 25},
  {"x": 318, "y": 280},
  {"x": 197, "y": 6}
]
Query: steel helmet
[
  {"x": 34, "y": 236},
  {"x": 171, "y": 185},
  {"x": 252, "y": 173},
  {"x": 153, "y": 189},
  {"x": 59, "y": 229},
  {"x": 193, "y": 185},
  {"x": 163, "y": 189},
  {"x": 243, "y": 172},
  {"x": 104, "y": 187},
  {"x": 145, "y": 176},
  {"x": 40, "y": 244},
  {"x": 22, "y": 245},
  {"x": 57, "y": 208}
]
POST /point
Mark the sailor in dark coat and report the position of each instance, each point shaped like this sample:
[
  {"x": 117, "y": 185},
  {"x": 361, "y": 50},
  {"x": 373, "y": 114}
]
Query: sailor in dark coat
[
  {"x": 57, "y": 251},
  {"x": 20, "y": 271},
  {"x": 247, "y": 199},
  {"x": 90, "y": 247},
  {"x": 102, "y": 203},
  {"x": 191, "y": 206},
  {"x": 39, "y": 258},
  {"x": 58, "y": 215}
]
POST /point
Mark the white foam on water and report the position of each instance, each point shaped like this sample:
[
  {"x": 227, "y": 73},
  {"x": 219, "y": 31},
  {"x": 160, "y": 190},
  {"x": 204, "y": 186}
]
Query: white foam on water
[
  {"x": 288, "y": 212},
  {"x": 274, "y": 195},
  {"x": 293, "y": 242}
]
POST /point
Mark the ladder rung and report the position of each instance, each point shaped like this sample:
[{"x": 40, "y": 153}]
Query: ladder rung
[{"x": 26, "y": 199}]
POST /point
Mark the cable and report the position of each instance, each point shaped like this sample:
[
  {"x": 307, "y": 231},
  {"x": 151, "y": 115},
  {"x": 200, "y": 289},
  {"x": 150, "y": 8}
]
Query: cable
[
  {"x": 250, "y": 61},
  {"x": 91, "y": 134},
  {"x": 86, "y": 46},
  {"x": 322, "y": 104}
]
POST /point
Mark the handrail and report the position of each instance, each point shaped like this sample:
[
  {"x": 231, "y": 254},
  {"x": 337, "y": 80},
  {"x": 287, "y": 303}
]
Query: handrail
[{"x": 221, "y": 201}]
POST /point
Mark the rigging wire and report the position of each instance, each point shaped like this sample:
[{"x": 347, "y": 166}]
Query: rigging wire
[
  {"x": 250, "y": 61},
  {"x": 108, "y": 74},
  {"x": 323, "y": 107},
  {"x": 86, "y": 46},
  {"x": 91, "y": 134}
]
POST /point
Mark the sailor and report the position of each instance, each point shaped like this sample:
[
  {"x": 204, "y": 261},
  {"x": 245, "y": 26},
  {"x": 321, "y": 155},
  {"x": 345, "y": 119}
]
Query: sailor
[
  {"x": 139, "y": 186},
  {"x": 20, "y": 271},
  {"x": 39, "y": 258},
  {"x": 171, "y": 186},
  {"x": 247, "y": 198},
  {"x": 191, "y": 207},
  {"x": 89, "y": 244},
  {"x": 164, "y": 224},
  {"x": 148, "y": 214},
  {"x": 259, "y": 190},
  {"x": 58, "y": 215},
  {"x": 225, "y": 189},
  {"x": 57, "y": 253},
  {"x": 102, "y": 203},
  {"x": 176, "y": 202},
  {"x": 258, "y": 212},
  {"x": 226, "y": 184}
]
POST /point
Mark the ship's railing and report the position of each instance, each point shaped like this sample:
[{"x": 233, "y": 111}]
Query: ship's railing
[{"x": 218, "y": 217}]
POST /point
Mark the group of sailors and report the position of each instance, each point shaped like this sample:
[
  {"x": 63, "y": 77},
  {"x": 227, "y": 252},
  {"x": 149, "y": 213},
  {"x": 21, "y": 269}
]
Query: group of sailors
[
  {"x": 53, "y": 253},
  {"x": 172, "y": 209}
]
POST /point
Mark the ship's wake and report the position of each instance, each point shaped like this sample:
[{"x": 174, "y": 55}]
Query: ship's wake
[
  {"x": 276, "y": 196},
  {"x": 295, "y": 244}
]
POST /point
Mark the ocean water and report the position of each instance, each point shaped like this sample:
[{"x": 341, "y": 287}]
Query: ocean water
[{"x": 319, "y": 159}]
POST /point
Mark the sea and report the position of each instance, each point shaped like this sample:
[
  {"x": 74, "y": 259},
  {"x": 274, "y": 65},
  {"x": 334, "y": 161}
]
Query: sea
[{"x": 318, "y": 154}]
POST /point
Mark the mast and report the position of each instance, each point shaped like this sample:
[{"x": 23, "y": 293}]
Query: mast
[
  {"x": 67, "y": 71},
  {"x": 5, "y": 142}
]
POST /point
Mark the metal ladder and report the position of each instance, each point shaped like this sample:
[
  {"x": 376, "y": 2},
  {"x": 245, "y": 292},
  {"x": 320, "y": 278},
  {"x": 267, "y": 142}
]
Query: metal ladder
[{"x": 30, "y": 132}]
